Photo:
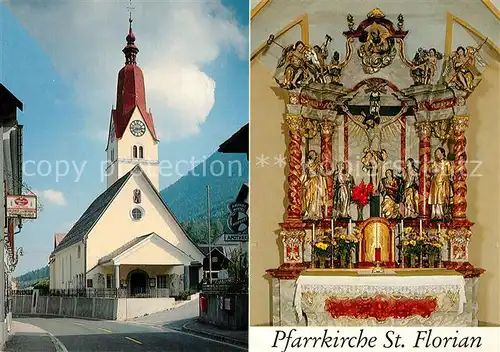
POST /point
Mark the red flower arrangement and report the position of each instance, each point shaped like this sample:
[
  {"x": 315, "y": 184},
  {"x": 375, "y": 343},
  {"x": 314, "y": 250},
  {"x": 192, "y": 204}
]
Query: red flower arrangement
[
  {"x": 361, "y": 193},
  {"x": 380, "y": 307}
]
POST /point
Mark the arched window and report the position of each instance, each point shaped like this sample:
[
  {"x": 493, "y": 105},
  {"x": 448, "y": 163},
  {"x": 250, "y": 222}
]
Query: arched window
[
  {"x": 134, "y": 151},
  {"x": 141, "y": 153}
]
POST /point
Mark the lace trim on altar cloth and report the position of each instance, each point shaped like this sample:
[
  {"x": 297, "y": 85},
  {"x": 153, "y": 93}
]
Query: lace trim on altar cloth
[{"x": 355, "y": 291}]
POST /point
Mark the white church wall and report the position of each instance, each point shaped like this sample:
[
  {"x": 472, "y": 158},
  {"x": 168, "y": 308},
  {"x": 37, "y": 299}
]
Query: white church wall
[
  {"x": 116, "y": 227},
  {"x": 124, "y": 151},
  {"x": 67, "y": 267}
]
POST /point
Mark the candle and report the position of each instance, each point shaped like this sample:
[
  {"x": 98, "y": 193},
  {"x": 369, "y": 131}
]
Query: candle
[
  {"x": 420, "y": 227},
  {"x": 377, "y": 255},
  {"x": 402, "y": 226},
  {"x": 439, "y": 228},
  {"x": 349, "y": 228},
  {"x": 332, "y": 226},
  {"x": 314, "y": 231}
]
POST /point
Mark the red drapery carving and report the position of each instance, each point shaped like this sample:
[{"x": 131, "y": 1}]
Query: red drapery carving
[{"x": 380, "y": 307}]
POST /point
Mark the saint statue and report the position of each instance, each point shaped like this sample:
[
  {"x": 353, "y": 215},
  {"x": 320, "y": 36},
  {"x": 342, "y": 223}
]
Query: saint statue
[
  {"x": 295, "y": 58},
  {"x": 441, "y": 172},
  {"x": 314, "y": 188},
  {"x": 343, "y": 182},
  {"x": 410, "y": 197},
  {"x": 391, "y": 195}
]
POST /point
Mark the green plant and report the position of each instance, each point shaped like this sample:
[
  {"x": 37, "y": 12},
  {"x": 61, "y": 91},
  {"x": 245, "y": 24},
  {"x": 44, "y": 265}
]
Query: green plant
[{"x": 238, "y": 266}]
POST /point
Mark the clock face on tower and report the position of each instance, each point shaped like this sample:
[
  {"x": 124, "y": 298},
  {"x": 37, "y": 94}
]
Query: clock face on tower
[{"x": 137, "y": 128}]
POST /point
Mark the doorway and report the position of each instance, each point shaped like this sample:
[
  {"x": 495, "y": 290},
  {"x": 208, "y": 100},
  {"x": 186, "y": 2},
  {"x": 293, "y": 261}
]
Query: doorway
[{"x": 138, "y": 282}]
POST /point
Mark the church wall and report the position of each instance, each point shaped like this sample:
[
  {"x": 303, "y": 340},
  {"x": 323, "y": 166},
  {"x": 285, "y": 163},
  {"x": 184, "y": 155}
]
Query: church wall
[
  {"x": 66, "y": 267},
  {"x": 115, "y": 228},
  {"x": 427, "y": 25},
  {"x": 483, "y": 190},
  {"x": 150, "y": 147}
]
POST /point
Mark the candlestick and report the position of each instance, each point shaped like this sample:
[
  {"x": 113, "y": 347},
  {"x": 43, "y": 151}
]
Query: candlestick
[
  {"x": 378, "y": 254},
  {"x": 421, "y": 227}
]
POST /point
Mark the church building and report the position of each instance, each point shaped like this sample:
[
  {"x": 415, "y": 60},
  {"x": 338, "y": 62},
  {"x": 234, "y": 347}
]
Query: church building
[{"x": 128, "y": 238}]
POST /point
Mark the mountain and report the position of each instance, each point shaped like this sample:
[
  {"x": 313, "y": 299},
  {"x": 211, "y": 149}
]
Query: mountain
[
  {"x": 187, "y": 197},
  {"x": 32, "y": 277}
]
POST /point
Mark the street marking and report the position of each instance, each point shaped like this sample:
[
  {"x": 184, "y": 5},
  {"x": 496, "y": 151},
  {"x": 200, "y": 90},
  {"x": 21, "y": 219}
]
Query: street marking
[
  {"x": 80, "y": 324},
  {"x": 131, "y": 339},
  {"x": 105, "y": 330}
]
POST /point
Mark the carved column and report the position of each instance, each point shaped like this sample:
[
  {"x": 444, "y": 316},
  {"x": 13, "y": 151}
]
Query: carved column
[
  {"x": 424, "y": 134},
  {"x": 327, "y": 128},
  {"x": 294, "y": 123},
  {"x": 460, "y": 170}
]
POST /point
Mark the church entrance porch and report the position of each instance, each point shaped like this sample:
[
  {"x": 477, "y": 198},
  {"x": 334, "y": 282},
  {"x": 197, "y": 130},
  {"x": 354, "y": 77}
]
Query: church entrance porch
[{"x": 138, "y": 282}]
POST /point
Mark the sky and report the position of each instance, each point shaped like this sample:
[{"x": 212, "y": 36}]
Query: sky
[{"x": 61, "y": 59}]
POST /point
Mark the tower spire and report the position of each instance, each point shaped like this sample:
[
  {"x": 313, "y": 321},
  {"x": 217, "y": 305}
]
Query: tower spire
[{"x": 130, "y": 49}]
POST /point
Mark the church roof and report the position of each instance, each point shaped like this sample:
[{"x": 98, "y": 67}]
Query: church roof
[
  {"x": 237, "y": 143},
  {"x": 111, "y": 256},
  {"x": 130, "y": 92},
  {"x": 92, "y": 214}
]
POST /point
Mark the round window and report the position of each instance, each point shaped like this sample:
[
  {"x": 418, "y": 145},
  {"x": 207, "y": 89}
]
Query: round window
[{"x": 137, "y": 213}]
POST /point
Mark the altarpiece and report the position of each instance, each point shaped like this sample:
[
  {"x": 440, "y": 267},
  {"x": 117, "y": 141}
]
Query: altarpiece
[{"x": 377, "y": 182}]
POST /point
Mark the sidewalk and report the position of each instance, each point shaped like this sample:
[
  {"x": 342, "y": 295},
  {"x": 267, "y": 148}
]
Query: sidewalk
[
  {"x": 27, "y": 338},
  {"x": 235, "y": 337}
]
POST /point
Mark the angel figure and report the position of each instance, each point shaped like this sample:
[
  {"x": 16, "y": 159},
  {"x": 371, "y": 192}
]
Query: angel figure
[
  {"x": 391, "y": 195},
  {"x": 440, "y": 194},
  {"x": 375, "y": 133},
  {"x": 295, "y": 58},
  {"x": 335, "y": 67},
  {"x": 425, "y": 65},
  {"x": 343, "y": 182},
  {"x": 460, "y": 68},
  {"x": 314, "y": 188},
  {"x": 410, "y": 197}
]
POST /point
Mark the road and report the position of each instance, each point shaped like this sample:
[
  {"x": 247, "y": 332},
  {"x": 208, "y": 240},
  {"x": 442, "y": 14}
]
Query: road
[
  {"x": 155, "y": 332},
  {"x": 86, "y": 335}
]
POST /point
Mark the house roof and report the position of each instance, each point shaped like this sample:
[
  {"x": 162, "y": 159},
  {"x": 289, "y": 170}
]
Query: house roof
[
  {"x": 92, "y": 214},
  {"x": 237, "y": 143},
  {"x": 58, "y": 237},
  {"x": 205, "y": 249}
]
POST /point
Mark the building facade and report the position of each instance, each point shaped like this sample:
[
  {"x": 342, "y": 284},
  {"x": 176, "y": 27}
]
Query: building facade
[{"x": 128, "y": 239}]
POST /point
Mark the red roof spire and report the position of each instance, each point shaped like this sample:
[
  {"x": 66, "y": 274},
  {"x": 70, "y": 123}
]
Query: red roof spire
[{"x": 130, "y": 93}]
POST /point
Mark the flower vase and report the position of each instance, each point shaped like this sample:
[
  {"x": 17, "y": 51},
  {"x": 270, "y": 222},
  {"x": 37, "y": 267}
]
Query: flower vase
[
  {"x": 432, "y": 260},
  {"x": 360, "y": 213},
  {"x": 411, "y": 261},
  {"x": 348, "y": 260},
  {"x": 342, "y": 261},
  {"x": 420, "y": 260},
  {"x": 322, "y": 262}
]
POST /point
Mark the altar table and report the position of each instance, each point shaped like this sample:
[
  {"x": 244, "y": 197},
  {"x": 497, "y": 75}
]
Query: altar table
[{"x": 398, "y": 297}]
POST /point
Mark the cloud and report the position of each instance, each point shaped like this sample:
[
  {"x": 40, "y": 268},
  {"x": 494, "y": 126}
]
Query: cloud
[
  {"x": 177, "y": 40},
  {"x": 51, "y": 196}
]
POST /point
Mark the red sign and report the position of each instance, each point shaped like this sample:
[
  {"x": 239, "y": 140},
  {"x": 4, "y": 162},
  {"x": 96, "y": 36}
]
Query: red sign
[
  {"x": 21, "y": 201},
  {"x": 22, "y": 206}
]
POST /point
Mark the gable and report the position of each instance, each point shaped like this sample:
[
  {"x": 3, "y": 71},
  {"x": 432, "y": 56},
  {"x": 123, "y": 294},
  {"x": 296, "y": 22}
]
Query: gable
[{"x": 116, "y": 226}]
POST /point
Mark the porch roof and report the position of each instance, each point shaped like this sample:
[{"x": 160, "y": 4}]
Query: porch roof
[{"x": 149, "y": 249}]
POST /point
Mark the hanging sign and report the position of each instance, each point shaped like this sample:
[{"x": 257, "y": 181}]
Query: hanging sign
[
  {"x": 237, "y": 222},
  {"x": 24, "y": 206}
]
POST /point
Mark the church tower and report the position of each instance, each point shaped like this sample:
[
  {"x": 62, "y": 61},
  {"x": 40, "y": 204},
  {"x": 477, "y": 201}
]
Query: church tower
[{"x": 132, "y": 138}]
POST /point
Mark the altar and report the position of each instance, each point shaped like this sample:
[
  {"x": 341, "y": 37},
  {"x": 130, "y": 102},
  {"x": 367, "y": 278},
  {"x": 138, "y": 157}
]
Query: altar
[
  {"x": 376, "y": 229},
  {"x": 400, "y": 297}
]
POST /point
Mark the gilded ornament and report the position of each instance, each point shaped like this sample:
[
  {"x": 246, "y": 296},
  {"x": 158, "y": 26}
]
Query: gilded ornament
[
  {"x": 310, "y": 128},
  {"x": 460, "y": 123},
  {"x": 423, "y": 128},
  {"x": 327, "y": 127},
  {"x": 424, "y": 65},
  {"x": 294, "y": 122}
]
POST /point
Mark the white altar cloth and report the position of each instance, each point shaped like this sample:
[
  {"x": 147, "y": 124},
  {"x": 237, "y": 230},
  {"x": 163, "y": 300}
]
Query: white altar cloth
[{"x": 373, "y": 285}]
